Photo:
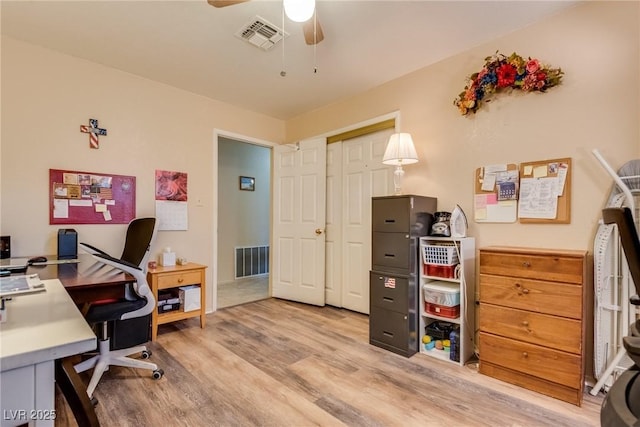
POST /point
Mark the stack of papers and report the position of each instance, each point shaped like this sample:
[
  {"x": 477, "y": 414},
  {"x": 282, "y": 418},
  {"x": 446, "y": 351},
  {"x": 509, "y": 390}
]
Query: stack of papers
[{"x": 17, "y": 285}]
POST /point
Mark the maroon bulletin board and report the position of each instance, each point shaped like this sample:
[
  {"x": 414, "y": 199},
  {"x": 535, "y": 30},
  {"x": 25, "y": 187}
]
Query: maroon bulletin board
[{"x": 77, "y": 197}]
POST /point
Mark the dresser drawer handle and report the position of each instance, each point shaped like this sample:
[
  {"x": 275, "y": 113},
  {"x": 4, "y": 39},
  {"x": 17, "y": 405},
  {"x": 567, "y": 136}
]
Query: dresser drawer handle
[
  {"x": 525, "y": 323},
  {"x": 526, "y": 264},
  {"x": 525, "y": 291},
  {"x": 180, "y": 280},
  {"x": 525, "y": 354}
]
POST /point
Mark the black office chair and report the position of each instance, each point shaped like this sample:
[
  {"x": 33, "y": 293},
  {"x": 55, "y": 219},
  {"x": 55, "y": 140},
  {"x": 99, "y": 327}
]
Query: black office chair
[
  {"x": 621, "y": 406},
  {"x": 122, "y": 314}
]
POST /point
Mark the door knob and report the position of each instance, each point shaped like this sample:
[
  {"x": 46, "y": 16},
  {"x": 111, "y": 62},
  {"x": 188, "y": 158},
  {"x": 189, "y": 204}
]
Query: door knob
[{"x": 319, "y": 231}]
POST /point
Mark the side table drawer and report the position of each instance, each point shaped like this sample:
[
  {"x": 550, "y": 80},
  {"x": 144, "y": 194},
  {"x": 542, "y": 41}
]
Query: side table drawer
[
  {"x": 179, "y": 279},
  {"x": 541, "y": 362},
  {"x": 535, "y": 328}
]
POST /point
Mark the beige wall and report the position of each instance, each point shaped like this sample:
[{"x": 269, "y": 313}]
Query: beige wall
[
  {"x": 46, "y": 96},
  {"x": 597, "y": 106}
]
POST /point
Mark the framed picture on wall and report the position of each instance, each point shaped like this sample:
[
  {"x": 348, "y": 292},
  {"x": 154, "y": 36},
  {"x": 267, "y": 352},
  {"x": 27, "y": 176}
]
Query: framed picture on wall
[{"x": 247, "y": 183}]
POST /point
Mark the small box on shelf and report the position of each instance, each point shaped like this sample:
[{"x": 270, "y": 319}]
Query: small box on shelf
[{"x": 190, "y": 297}]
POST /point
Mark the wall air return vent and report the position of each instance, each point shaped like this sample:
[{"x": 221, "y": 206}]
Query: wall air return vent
[{"x": 261, "y": 33}]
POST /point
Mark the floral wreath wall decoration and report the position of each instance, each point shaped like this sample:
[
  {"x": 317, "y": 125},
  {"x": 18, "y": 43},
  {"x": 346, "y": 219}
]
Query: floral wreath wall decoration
[{"x": 501, "y": 73}]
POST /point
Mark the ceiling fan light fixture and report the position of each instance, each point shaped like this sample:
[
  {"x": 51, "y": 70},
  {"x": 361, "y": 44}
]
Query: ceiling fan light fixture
[{"x": 299, "y": 10}]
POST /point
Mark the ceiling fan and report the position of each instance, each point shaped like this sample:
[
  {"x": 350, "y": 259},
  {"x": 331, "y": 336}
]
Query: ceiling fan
[{"x": 311, "y": 27}]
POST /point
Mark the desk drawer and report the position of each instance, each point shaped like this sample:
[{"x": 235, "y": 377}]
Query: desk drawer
[
  {"x": 560, "y": 299},
  {"x": 535, "y": 328},
  {"x": 184, "y": 278},
  {"x": 541, "y": 362}
]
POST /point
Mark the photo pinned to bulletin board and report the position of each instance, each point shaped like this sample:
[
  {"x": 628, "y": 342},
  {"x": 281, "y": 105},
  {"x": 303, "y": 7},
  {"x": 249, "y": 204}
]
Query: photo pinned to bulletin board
[
  {"x": 545, "y": 191},
  {"x": 496, "y": 193}
]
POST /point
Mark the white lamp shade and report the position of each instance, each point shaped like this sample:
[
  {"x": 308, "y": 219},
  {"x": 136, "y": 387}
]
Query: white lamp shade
[
  {"x": 400, "y": 150},
  {"x": 299, "y": 10}
]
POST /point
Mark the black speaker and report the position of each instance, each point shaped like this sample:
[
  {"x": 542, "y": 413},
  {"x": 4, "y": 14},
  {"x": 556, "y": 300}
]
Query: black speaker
[
  {"x": 67, "y": 243},
  {"x": 5, "y": 247}
]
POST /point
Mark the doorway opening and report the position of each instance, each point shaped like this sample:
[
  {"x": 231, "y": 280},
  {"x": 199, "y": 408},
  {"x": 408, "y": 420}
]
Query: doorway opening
[{"x": 244, "y": 218}]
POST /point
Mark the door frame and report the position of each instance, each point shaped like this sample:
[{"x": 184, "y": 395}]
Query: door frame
[{"x": 214, "y": 262}]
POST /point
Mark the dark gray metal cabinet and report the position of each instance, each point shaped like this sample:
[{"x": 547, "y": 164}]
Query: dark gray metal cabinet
[{"x": 394, "y": 313}]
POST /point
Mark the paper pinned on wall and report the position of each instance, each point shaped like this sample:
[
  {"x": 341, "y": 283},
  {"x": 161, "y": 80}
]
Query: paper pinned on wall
[
  {"x": 538, "y": 198},
  {"x": 60, "y": 208},
  {"x": 171, "y": 215}
]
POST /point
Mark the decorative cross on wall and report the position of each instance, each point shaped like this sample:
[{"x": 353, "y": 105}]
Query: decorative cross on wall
[{"x": 94, "y": 131}]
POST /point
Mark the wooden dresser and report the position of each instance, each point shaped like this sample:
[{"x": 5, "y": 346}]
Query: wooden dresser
[{"x": 532, "y": 319}]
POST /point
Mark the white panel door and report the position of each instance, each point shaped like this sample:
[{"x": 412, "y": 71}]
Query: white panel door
[
  {"x": 333, "y": 285},
  {"x": 299, "y": 199},
  {"x": 364, "y": 176}
]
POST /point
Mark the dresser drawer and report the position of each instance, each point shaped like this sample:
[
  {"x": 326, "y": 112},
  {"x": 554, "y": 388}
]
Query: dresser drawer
[
  {"x": 390, "y": 292},
  {"x": 179, "y": 279},
  {"x": 541, "y": 329},
  {"x": 553, "y": 266},
  {"x": 560, "y": 299},
  {"x": 552, "y": 365}
]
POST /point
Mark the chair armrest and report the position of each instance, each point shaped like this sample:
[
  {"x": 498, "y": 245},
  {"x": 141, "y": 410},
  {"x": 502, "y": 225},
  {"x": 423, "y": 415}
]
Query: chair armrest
[
  {"x": 141, "y": 286},
  {"x": 91, "y": 249}
]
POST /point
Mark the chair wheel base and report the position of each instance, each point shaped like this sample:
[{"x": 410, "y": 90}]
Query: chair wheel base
[
  {"x": 146, "y": 354},
  {"x": 157, "y": 374},
  {"x": 94, "y": 401}
]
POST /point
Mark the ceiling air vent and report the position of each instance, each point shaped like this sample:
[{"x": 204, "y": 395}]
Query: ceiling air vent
[{"x": 261, "y": 33}]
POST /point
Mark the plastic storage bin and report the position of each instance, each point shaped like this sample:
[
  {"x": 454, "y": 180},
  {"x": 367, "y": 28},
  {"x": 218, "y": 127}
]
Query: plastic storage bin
[
  {"x": 442, "y": 293},
  {"x": 442, "y": 310},
  {"x": 440, "y": 253},
  {"x": 444, "y": 271}
]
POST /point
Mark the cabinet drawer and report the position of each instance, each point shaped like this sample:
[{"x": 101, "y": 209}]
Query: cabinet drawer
[
  {"x": 389, "y": 327},
  {"x": 560, "y": 299},
  {"x": 552, "y": 365},
  {"x": 550, "y": 266},
  {"x": 171, "y": 280},
  {"x": 549, "y": 331},
  {"x": 390, "y": 215},
  {"x": 393, "y": 250},
  {"x": 390, "y": 292}
]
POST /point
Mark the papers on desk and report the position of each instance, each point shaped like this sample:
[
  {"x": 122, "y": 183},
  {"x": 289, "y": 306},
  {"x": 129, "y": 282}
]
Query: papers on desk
[{"x": 18, "y": 285}]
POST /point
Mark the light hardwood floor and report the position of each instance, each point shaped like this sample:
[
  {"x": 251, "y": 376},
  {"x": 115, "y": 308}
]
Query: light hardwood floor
[
  {"x": 278, "y": 363},
  {"x": 242, "y": 291}
]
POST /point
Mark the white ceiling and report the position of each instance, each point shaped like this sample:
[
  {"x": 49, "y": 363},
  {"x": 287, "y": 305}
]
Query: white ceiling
[{"x": 191, "y": 45}]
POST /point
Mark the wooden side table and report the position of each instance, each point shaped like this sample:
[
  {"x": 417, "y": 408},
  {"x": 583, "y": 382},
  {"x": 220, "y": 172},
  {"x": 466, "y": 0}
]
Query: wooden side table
[{"x": 174, "y": 277}]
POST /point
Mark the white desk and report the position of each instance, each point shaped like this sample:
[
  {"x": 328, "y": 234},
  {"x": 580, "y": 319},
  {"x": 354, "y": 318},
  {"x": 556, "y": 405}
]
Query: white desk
[{"x": 41, "y": 328}]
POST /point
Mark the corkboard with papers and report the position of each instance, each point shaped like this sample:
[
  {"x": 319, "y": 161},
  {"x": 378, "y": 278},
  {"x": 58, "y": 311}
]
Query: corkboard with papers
[
  {"x": 545, "y": 192},
  {"x": 495, "y": 193},
  {"x": 77, "y": 197}
]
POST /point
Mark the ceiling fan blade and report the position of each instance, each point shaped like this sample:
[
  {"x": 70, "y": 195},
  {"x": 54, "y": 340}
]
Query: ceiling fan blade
[
  {"x": 312, "y": 31},
  {"x": 224, "y": 3}
]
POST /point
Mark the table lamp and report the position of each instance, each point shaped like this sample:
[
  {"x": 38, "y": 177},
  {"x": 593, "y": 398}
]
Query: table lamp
[{"x": 400, "y": 151}]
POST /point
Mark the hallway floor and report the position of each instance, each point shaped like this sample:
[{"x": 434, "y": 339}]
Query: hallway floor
[{"x": 242, "y": 291}]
